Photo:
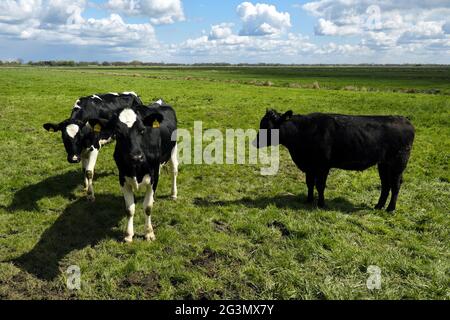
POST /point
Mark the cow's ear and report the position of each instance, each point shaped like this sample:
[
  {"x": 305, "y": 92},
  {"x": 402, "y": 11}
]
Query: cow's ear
[
  {"x": 154, "y": 120},
  {"x": 98, "y": 125},
  {"x": 51, "y": 127},
  {"x": 287, "y": 116}
]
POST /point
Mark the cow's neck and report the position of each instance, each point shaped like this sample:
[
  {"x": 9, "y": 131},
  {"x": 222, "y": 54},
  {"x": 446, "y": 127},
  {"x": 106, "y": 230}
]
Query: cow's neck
[
  {"x": 289, "y": 132},
  {"x": 286, "y": 133}
]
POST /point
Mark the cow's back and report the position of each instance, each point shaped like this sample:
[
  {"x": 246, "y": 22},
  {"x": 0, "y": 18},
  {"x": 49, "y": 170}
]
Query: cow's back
[
  {"x": 104, "y": 106},
  {"x": 349, "y": 142}
]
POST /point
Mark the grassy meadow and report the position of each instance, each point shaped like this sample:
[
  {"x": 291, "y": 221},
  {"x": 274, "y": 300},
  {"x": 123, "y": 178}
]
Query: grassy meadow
[{"x": 232, "y": 234}]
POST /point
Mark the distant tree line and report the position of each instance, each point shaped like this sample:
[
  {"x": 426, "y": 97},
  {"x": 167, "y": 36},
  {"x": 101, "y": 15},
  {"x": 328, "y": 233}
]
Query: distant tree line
[
  {"x": 17, "y": 62},
  {"x": 137, "y": 63}
]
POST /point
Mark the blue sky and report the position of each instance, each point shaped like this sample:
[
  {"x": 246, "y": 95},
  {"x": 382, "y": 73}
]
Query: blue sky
[{"x": 189, "y": 31}]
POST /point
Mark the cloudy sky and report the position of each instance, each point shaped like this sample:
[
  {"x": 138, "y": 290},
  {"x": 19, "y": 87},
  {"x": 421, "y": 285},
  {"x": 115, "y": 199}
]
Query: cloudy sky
[{"x": 190, "y": 31}]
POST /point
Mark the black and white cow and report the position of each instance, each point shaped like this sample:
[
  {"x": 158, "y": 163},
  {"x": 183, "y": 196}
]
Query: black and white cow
[
  {"x": 145, "y": 141},
  {"x": 319, "y": 142},
  {"x": 79, "y": 138}
]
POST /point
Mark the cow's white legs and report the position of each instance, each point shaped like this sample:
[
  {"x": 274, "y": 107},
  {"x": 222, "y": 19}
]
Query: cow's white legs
[
  {"x": 91, "y": 161},
  {"x": 131, "y": 208},
  {"x": 148, "y": 207},
  {"x": 174, "y": 166}
]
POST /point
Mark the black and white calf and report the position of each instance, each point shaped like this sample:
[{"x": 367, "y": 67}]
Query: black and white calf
[
  {"x": 80, "y": 140},
  {"x": 145, "y": 140},
  {"x": 319, "y": 142}
]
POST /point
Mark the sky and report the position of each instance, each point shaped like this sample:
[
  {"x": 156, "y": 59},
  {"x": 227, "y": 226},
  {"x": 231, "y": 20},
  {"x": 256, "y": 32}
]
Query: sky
[{"x": 196, "y": 31}]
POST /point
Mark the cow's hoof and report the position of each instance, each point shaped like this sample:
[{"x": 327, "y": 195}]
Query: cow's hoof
[
  {"x": 390, "y": 209},
  {"x": 128, "y": 239},
  {"x": 378, "y": 207},
  {"x": 150, "y": 237},
  {"x": 91, "y": 198},
  {"x": 174, "y": 198}
]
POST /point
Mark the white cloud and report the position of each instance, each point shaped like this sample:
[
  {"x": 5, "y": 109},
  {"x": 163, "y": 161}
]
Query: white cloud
[
  {"x": 61, "y": 21},
  {"x": 62, "y": 11},
  {"x": 262, "y": 19},
  {"x": 289, "y": 48},
  {"x": 221, "y": 31},
  {"x": 49, "y": 12},
  {"x": 12, "y": 11},
  {"x": 398, "y": 26},
  {"x": 159, "y": 11},
  {"x": 328, "y": 28}
]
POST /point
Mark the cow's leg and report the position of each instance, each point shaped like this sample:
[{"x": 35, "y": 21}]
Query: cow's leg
[
  {"x": 89, "y": 174},
  {"x": 384, "y": 172},
  {"x": 321, "y": 184},
  {"x": 84, "y": 163},
  {"x": 130, "y": 208},
  {"x": 396, "y": 183},
  {"x": 174, "y": 167},
  {"x": 397, "y": 169},
  {"x": 310, "y": 182},
  {"x": 148, "y": 207}
]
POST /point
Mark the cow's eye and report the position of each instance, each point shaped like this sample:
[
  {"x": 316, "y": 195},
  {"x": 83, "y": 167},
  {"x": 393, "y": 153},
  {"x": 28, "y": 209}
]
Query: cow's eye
[{"x": 142, "y": 131}]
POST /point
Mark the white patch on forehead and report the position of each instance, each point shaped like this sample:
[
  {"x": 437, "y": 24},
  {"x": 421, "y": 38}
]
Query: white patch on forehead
[
  {"x": 72, "y": 130},
  {"x": 76, "y": 106},
  {"x": 130, "y": 93},
  {"x": 160, "y": 102},
  {"x": 96, "y": 97},
  {"x": 128, "y": 117}
]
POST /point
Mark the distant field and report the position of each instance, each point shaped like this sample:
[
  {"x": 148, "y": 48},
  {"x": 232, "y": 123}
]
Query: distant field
[
  {"x": 232, "y": 233},
  {"x": 395, "y": 79}
]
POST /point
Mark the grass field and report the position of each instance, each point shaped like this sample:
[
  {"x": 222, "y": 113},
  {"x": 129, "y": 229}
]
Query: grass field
[{"x": 233, "y": 233}]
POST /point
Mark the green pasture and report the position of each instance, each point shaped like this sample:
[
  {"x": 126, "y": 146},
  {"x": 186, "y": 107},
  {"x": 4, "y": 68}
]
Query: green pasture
[{"x": 232, "y": 234}]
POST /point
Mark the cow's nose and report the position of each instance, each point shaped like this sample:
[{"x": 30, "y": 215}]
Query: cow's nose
[
  {"x": 74, "y": 159},
  {"x": 139, "y": 157}
]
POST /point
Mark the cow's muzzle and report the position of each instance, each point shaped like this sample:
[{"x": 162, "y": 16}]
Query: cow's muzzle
[
  {"x": 74, "y": 159},
  {"x": 137, "y": 158}
]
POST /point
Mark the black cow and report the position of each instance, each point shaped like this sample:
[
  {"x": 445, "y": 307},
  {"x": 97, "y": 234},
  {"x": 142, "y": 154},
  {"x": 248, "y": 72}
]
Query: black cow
[
  {"x": 79, "y": 138},
  {"x": 145, "y": 140},
  {"x": 319, "y": 142}
]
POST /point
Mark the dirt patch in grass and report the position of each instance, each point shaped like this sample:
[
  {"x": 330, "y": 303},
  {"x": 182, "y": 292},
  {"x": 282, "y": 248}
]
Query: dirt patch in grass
[
  {"x": 177, "y": 280},
  {"x": 221, "y": 226},
  {"x": 206, "y": 258},
  {"x": 149, "y": 282},
  {"x": 285, "y": 232},
  {"x": 23, "y": 286},
  {"x": 207, "y": 261}
]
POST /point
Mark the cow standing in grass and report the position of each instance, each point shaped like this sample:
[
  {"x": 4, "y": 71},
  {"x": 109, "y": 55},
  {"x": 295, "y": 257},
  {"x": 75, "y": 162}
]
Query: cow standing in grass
[
  {"x": 145, "y": 141},
  {"x": 80, "y": 140},
  {"x": 319, "y": 142}
]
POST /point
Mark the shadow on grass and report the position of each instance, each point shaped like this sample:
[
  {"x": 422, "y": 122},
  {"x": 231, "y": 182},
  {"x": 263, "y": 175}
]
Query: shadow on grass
[
  {"x": 284, "y": 202},
  {"x": 82, "y": 224},
  {"x": 27, "y": 198}
]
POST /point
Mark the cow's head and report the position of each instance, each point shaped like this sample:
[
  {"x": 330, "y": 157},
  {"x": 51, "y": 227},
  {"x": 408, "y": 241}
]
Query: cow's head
[
  {"x": 72, "y": 132},
  {"x": 133, "y": 132},
  {"x": 272, "y": 121},
  {"x": 76, "y": 134}
]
